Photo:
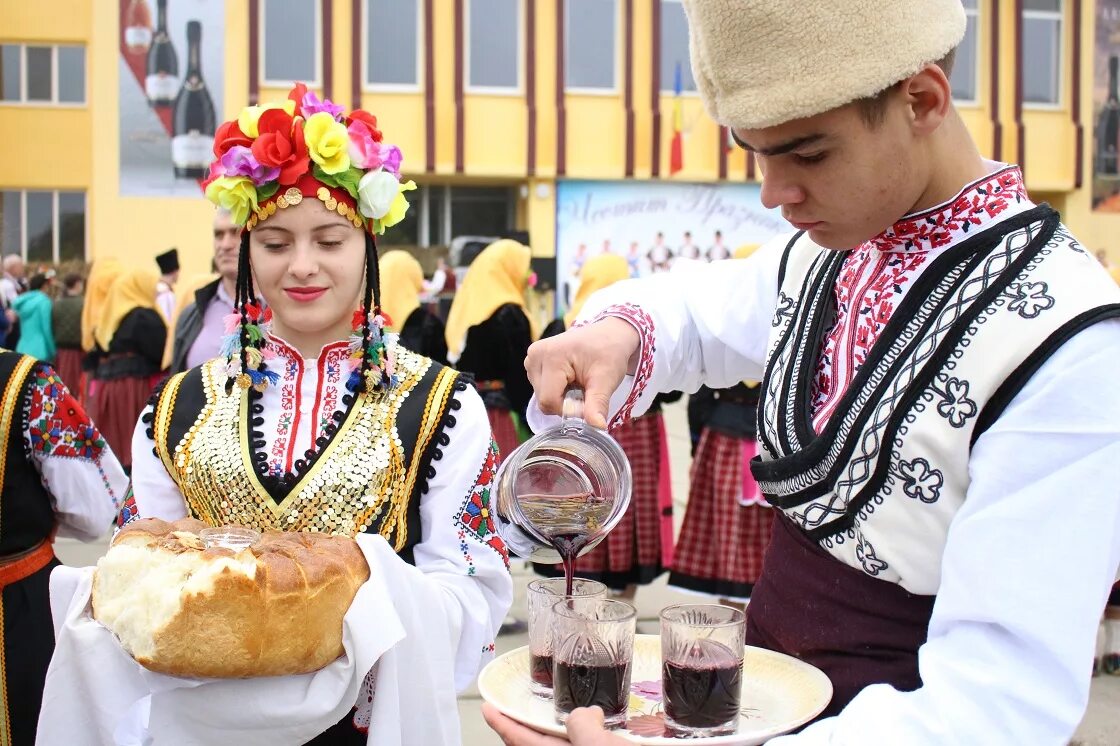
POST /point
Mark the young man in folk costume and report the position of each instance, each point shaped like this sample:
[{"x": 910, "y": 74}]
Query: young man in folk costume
[{"x": 939, "y": 423}]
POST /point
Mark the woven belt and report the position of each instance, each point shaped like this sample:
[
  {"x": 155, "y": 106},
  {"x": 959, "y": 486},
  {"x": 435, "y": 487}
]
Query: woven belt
[{"x": 15, "y": 569}]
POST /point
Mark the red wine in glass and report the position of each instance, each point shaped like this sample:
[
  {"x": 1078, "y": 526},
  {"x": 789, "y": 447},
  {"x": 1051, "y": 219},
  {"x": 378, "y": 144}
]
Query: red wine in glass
[
  {"x": 540, "y": 669},
  {"x": 706, "y": 697},
  {"x": 586, "y": 686}
]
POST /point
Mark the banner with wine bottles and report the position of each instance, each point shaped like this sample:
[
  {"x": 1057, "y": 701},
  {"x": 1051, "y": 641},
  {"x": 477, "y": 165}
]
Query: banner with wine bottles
[
  {"x": 1106, "y": 106},
  {"x": 172, "y": 54}
]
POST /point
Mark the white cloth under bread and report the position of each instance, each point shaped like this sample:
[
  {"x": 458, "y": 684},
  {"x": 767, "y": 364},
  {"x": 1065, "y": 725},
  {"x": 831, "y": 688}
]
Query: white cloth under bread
[{"x": 96, "y": 694}]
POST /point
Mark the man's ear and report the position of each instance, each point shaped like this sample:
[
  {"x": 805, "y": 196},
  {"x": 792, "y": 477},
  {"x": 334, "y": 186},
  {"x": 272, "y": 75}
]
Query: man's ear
[{"x": 929, "y": 98}]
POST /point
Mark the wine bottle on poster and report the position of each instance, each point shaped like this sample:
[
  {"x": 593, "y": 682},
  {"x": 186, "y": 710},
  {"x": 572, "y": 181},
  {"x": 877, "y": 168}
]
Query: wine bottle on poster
[
  {"x": 162, "y": 79},
  {"x": 138, "y": 27},
  {"x": 193, "y": 119},
  {"x": 1108, "y": 127}
]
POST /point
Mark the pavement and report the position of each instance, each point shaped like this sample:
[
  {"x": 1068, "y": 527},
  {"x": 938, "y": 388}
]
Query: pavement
[{"x": 1100, "y": 727}]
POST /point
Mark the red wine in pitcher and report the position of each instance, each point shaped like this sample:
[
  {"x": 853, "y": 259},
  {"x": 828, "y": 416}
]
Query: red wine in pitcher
[
  {"x": 702, "y": 697},
  {"x": 586, "y": 686}
]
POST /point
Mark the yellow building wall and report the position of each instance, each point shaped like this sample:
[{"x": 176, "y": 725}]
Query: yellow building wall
[{"x": 77, "y": 148}]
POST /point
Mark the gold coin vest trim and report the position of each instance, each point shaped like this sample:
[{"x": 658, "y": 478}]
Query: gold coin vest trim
[{"x": 360, "y": 479}]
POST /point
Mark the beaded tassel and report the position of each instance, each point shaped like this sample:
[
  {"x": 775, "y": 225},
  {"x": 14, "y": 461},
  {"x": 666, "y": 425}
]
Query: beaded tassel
[
  {"x": 381, "y": 373},
  {"x": 258, "y": 323}
]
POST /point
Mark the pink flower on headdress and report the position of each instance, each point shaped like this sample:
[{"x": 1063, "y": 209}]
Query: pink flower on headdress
[
  {"x": 365, "y": 152},
  {"x": 312, "y": 105},
  {"x": 390, "y": 157},
  {"x": 239, "y": 161}
]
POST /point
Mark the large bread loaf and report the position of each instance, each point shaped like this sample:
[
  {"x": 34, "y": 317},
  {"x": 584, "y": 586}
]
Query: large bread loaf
[{"x": 185, "y": 609}]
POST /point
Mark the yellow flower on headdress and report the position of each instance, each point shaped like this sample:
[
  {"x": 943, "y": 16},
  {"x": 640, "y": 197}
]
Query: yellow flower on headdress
[
  {"x": 250, "y": 115},
  {"x": 236, "y": 194},
  {"x": 328, "y": 142},
  {"x": 399, "y": 208}
]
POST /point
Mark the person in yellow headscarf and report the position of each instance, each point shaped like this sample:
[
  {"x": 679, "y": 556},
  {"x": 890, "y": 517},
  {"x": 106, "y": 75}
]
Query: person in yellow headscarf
[
  {"x": 132, "y": 332},
  {"x": 640, "y": 547},
  {"x": 489, "y": 330},
  {"x": 101, "y": 276},
  {"x": 402, "y": 281}
]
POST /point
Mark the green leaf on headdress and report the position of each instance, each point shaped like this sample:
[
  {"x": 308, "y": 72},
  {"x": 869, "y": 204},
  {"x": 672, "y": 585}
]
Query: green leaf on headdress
[
  {"x": 264, "y": 191},
  {"x": 347, "y": 180}
]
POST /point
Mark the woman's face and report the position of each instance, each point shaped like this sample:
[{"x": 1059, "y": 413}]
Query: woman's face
[{"x": 309, "y": 264}]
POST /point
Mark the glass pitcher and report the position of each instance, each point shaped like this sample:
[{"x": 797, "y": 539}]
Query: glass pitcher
[{"x": 568, "y": 485}]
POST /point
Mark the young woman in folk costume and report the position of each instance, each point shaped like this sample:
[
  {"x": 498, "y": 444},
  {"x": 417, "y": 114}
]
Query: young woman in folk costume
[
  {"x": 132, "y": 333},
  {"x": 489, "y": 330},
  {"x": 56, "y": 477},
  {"x": 102, "y": 274},
  {"x": 727, "y": 521},
  {"x": 641, "y": 546},
  {"x": 402, "y": 281},
  {"x": 323, "y": 402}
]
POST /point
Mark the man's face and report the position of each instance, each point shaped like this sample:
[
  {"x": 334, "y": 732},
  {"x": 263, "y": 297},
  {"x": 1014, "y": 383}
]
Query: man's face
[
  {"x": 227, "y": 242},
  {"x": 837, "y": 177}
]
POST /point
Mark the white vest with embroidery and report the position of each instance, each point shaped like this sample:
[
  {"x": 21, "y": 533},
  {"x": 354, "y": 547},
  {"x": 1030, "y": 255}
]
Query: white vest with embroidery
[{"x": 880, "y": 484}]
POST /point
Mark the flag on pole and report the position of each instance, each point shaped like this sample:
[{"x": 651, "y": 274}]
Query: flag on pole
[{"x": 676, "y": 146}]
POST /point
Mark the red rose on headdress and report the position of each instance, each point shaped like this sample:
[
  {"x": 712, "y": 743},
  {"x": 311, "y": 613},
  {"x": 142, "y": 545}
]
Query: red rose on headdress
[
  {"x": 299, "y": 90},
  {"x": 369, "y": 120},
  {"x": 229, "y": 135},
  {"x": 280, "y": 144}
]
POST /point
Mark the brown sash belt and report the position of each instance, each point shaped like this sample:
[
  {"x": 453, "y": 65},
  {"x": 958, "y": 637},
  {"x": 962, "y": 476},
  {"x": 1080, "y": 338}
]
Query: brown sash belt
[
  {"x": 15, "y": 569},
  {"x": 858, "y": 629}
]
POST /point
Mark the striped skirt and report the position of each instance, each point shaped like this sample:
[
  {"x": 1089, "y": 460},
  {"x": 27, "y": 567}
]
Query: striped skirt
[
  {"x": 504, "y": 430},
  {"x": 637, "y": 550},
  {"x": 722, "y": 541}
]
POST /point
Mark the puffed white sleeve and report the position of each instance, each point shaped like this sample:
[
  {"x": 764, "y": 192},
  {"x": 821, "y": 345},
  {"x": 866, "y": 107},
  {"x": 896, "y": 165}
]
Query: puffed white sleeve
[
  {"x": 459, "y": 555},
  {"x": 697, "y": 324},
  {"x": 154, "y": 492},
  {"x": 1026, "y": 572},
  {"x": 85, "y": 481}
]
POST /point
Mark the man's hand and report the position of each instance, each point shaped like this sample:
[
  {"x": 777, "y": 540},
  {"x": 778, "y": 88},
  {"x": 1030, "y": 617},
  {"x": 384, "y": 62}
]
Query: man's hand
[
  {"x": 585, "y": 728},
  {"x": 594, "y": 358}
]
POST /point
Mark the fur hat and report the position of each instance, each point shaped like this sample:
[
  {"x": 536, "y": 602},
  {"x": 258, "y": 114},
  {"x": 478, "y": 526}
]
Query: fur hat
[{"x": 759, "y": 63}]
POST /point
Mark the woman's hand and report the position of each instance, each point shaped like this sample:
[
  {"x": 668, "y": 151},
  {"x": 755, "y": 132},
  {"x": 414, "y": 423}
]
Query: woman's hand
[
  {"x": 585, "y": 728},
  {"x": 594, "y": 358}
]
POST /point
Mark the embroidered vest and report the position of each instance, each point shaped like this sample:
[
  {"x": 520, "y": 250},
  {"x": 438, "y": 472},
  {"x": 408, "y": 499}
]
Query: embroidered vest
[
  {"x": 367, "y": 476},
  {"x": 879, "y": 485},
  {"x": 26, "y": 517}
]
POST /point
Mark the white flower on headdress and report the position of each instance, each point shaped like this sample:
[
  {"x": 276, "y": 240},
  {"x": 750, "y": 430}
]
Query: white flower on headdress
[{"x": 376, "y": 192}]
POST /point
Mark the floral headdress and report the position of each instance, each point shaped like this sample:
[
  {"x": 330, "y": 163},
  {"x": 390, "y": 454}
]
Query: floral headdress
[{"x": 274, "y": 156}]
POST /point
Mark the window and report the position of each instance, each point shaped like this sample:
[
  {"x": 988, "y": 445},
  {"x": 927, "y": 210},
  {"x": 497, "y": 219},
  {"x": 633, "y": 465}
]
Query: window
[
  {"x": 494, "y": 45},
  {"x": 291, "y": 42},
  {"x": 965, "y": 73},
  {"x": 674, "y": 47},
  {"x": 590, "y": 39},
  {"x": 43, "y": 226},
  {"x": 392, "y": 44},
  {"x": 1042, "y": 51},
  {"x": 38, "y": 74},
  {"x": 438, "y": 212}
]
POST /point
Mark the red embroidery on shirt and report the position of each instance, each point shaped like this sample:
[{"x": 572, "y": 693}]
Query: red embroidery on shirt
[
  {"x": 643, "y": 324},
  {"x": 57, "y": 424},
  {"x": 327, "y": 388},
  {"x": 874, "y": 277}
]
